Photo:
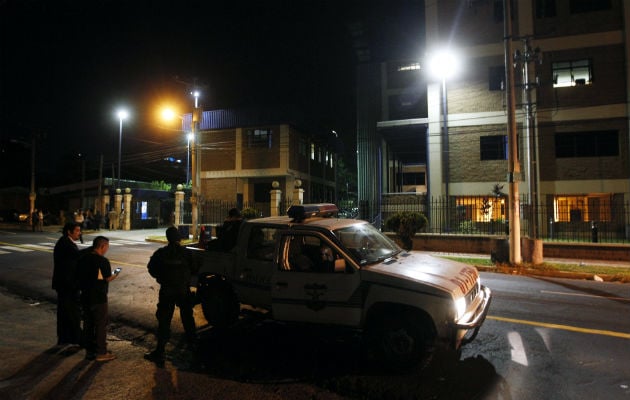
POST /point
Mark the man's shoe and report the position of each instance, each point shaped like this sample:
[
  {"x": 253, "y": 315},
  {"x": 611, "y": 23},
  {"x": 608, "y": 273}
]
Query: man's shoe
[
  {"x": 90, "y": 356},
  {"x": 105, "y": 357},
  {"x": 155, "y": 356}
]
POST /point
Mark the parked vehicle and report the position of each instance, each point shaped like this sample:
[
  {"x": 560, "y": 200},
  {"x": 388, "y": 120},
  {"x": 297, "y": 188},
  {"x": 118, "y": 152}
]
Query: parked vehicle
[{"x": 311, "y": 267}]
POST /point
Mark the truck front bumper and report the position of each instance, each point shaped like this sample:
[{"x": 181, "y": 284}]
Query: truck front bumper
[{"x": 474, "y": 323}]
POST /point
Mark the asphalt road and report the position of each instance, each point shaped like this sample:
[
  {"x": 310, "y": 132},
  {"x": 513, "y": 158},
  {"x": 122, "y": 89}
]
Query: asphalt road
[{"x": 544, "y": 338}]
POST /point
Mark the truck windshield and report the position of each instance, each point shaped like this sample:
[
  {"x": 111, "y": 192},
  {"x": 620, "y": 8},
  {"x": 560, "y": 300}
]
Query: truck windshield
[{"x": 366, "y": 244}]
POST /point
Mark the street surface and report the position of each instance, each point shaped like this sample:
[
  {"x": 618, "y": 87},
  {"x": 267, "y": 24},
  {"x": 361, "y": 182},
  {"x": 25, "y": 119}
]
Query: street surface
[{"x": 544, "y": 338}]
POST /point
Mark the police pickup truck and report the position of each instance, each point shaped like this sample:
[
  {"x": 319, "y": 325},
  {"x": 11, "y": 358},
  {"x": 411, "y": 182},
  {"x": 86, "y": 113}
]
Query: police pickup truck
[{"x": 311, "y": 267}]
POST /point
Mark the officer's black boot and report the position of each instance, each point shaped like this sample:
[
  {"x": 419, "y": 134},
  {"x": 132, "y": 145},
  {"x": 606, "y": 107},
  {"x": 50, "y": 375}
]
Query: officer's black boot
[{"x": 157, "y": 356}]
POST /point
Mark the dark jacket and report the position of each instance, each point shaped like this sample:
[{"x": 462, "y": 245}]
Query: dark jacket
[
  {"x": 172, "y": 267},
  {"x": 65, "y": 256}
]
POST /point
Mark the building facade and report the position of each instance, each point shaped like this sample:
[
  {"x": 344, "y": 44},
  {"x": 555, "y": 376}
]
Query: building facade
[
  {"x": 572, "y": 89},
  {"x": 241, "y": 153}
]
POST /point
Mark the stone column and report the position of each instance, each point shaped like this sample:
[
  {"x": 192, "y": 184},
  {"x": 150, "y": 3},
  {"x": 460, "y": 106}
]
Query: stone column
[
  {"x": 118, "y": 207},
  {"x": 276, "y": 198},
  {"x": 298, "y": 193},
  {"x": 126, "y": 222},
  {"x": 105, "y": 203},
  {"x": 179, "y": 205}
]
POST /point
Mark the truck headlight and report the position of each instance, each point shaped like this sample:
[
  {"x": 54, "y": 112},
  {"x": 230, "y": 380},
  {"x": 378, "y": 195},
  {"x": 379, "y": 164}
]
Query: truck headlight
[{"x": 460, "y": 307}]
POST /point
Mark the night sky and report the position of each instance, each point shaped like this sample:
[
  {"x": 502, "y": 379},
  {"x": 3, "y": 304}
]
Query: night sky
[{"x": 66, "y": 66}]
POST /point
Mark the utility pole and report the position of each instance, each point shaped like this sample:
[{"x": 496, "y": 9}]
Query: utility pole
[
  {"x": 32, "y": 195},
  {"x": 514, "y": 168},
  {"x": 525, "y": 58}
]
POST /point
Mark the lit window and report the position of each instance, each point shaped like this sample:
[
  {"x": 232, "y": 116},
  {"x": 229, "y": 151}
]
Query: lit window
[
  {"x": 572, "y": 73},
  {"x": 409, "y": 67},
  {"x": 313, "y": 151}
]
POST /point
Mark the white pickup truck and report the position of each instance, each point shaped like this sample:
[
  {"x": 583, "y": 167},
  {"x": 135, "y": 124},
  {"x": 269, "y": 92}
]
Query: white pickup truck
[{"x": 312, "y": 267}]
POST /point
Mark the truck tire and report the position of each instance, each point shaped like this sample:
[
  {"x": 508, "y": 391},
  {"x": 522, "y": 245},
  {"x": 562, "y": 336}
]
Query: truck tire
[
  {"x": 401, "y": 341},
  {"x": 218, "y": 303}
]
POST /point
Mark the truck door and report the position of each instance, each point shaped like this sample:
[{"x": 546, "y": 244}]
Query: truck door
[
  {"x": 252, "y": 279},
  {"x": 315, "y": 282}
]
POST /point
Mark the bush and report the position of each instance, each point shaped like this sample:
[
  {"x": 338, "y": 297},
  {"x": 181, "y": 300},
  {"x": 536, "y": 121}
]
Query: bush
[
  {"x": 250, "y": 213},
  {"x": 405, "y": 224}
]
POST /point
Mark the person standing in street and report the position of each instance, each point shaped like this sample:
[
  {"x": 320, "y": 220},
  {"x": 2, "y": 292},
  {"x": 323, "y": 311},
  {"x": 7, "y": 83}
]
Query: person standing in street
[
  {"x": 172, "y": 267},
  {"x": 64, "y": 282},
  {"x": 94, "y": 274}
]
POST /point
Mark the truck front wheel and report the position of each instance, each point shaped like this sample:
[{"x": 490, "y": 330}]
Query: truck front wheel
[
  {"x": 218, "y": 303},
  {"x": 401, "y": 341}
]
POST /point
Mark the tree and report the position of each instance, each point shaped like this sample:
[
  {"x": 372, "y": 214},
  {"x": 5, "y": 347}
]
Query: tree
[{"x": 405, "y": 224}]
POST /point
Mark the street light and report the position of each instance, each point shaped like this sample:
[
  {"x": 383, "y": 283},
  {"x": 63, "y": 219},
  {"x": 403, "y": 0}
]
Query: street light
[
  {"x": 168, "y": 115},
  {"x": 444, "y": 65},
  {"x": 122, "y": 114}
]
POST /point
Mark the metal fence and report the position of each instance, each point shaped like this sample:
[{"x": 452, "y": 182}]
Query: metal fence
[
  {"x": 470, "y": 215},
  {"x": 484, "y": 215}
]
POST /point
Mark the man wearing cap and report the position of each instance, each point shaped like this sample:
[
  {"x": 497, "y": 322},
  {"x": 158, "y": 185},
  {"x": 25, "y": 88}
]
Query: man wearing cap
[{"x": 172, "y": 267}]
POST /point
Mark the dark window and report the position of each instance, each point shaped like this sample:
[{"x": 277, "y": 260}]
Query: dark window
[
  {"x": 498, "y": 10},
  {"x": 412, "y": 178},
  {"x": 259, "y": 138},
  {"x": 496, "y": 78},
  {"x": 584, "y": 6},
  {"x": 587, "y": 144},
  {"x": 493, "y": 147},
  {"x": 545, "y": 8},
  {"x": 407, "y": 105}
]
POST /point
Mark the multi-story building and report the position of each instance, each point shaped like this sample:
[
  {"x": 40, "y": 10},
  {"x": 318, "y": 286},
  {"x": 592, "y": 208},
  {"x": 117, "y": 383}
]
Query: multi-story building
[
  {"x": 572, "y": 96},
  {"x": 242, "y": 152}
]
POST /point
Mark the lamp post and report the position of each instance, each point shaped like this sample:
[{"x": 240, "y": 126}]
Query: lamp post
[
  {"x": 122, "y": 114},
  {"x": 444, "y": 65},
  {"x": 189, "y": 137},
  {"x": 194, "y": 198}
]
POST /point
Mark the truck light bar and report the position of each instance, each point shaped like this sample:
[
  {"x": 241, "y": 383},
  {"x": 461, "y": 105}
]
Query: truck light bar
[{"x": 302, "y": 211}]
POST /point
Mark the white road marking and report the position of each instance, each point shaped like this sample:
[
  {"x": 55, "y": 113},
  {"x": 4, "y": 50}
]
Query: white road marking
[{"x": 585, "y": 295}]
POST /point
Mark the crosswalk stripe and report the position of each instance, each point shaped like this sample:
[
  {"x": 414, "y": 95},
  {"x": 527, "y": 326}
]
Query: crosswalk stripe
[
  {"x": 38, "y": 247},
  {"x": 48, "y": 246},
  {"x": 20, "y": 249}
]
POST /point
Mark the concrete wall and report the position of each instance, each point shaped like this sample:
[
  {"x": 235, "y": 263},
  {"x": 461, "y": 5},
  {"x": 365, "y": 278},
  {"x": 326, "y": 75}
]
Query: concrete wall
[{"x": 486, "y": 244}]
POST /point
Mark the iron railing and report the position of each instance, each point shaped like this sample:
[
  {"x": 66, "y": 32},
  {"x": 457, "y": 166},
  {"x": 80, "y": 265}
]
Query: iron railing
[{"x": 484, "y": 215}]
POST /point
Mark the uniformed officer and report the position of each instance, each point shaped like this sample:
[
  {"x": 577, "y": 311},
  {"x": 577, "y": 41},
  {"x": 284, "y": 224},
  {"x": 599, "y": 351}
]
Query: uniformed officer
[{"x": 172, "y": 267}]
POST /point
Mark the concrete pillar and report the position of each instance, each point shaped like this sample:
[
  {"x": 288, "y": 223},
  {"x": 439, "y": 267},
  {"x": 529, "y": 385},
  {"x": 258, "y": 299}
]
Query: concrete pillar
[
  {"x": 126, "y": 220},
  {"x": 179, "y": 206},
  {"x": 118, "y": 207},
  {"x": 276, "y": 198},
  {"x": 298, "y": 193},
  {"x": 105, "y": 203}
]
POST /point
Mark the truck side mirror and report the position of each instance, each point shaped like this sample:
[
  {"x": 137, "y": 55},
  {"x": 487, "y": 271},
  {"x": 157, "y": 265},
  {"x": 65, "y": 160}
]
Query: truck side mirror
[{"x": 340, "y": 265}]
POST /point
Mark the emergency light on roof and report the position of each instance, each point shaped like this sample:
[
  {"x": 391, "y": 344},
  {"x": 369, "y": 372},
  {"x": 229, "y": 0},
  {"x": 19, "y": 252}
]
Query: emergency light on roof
[{"x": 303, "y": 211}]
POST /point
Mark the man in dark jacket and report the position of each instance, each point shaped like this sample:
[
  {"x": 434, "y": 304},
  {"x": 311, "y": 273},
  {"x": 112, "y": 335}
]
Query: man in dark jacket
[
  {"x": 64, "y": 281},
  {"x": 94, "y": 274},
  {"x": 172, "y": 267}
]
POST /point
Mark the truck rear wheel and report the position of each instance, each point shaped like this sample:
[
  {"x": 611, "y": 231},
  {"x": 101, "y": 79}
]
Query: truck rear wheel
[
  {"x": 218, "y": 303},
  {"x": 401, "y": 340}
]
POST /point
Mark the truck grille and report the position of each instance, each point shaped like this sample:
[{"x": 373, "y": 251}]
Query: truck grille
[{"x": 472, "y": 293}]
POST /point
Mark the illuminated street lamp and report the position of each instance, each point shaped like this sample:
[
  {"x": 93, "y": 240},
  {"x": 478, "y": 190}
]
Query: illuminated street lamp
[
  {"x": 444, "y": 65},
  {"x": 122, "y": 114},
  {"x": 168, "y": 115}
]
